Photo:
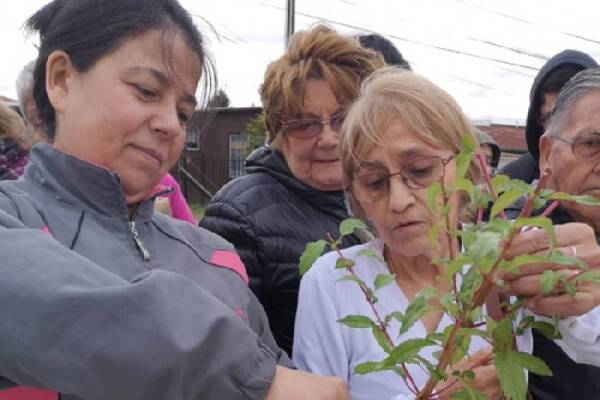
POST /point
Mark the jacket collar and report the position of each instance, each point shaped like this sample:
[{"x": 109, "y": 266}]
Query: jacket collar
[
  {"x": 272, "y": 162},
  {"x": 80, "y": 184}
]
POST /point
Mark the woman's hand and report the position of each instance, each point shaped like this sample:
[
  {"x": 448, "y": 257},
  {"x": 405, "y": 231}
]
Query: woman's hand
[
  {"x": 573, "y": 239},
  {"x": 486, "y": 378},
  {"x": 289, "y": 384}
]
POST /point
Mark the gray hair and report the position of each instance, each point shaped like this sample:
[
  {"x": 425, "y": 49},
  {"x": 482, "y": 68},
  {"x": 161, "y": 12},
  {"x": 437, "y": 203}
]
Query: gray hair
[
  {"x": 578, "y": 86},
  {"x": 25, "y": 86}
]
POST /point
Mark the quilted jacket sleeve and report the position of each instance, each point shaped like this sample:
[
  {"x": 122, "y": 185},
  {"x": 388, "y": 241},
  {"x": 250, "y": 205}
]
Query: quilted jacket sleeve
[{"x": 72, "y": 326}]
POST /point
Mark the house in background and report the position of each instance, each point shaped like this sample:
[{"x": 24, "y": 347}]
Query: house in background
[
  {"x": 215, "y": 151},
  {"x": 510, "y": 138},
  {"x": 216, "y": 148}
]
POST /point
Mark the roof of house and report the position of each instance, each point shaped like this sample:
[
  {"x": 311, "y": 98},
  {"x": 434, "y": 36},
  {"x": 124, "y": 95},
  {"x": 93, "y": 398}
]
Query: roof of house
[{"x": 508, "y": 137}]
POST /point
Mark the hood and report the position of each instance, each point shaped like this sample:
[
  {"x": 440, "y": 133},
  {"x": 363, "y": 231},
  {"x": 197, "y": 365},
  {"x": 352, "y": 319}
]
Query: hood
[
  {"x": 533, "y": 130},
  {"x": 484, "y": 138}
]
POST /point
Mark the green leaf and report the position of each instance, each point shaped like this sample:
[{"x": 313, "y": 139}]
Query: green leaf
[
  {"x": 350, "y": 278},
  {"x": 539, "y": 222},
  {"x": 416, "y": 309},
  {"x": 434, "y": 234},
  {"x": 343, "y": 262},
  {"x": 357, "y": 321},
  {"x": 370, "y": 253},
  {"x": 348, "y": 226},
  {"x": 433, "y": 192},
  {"x": 367, "y": 367},
  {"x": 533, "y": 364},
  {"x": 468, "y": 393},
  {"x": 502, "y": 335},
  {"x": 592, "y": 275},
  {"x": 456, "y": 265},
  {"x": 470, "y": 283},
  {"x": 499, "y": 181},
  {"x": 448, "y": 304},
  {"x": 383, "y": 280},
  {"x": 464, "y": 185},
  {"x": 381, "y": 339},
  {"x": 504, "y": 200},
  {"x": 521, "y": 260},
  {"x": 558, "y": 257},
  {"x": 312, "y": 251},
  {"x": 512, "y": 378},
  {"x": 486, "y": 244},
  {"x": 547, "y": 329},
  {"x": 406, "y": 350},
  {"x": 587, "y": 200},
  {"x": 468, "y": 144},
  {"x": 560, "y": 196},
  {"x": 548, "y": 281},
  {"x": 463, "y": 162},
  {"x": 397, "y": 315}
]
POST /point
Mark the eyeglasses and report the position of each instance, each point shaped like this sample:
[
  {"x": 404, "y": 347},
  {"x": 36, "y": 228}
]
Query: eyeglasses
[
  {"x": 585, "y": 147},
  {"x": 310, "y": 127},
  {"x": 370, "y": 187}
]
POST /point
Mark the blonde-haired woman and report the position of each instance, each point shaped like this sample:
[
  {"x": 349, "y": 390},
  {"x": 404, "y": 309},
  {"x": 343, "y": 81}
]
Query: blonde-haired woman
[
  {"x": 293, "y": 191},
  {"x": 399, "y": 137},
  {"x": 13, "y": 144}
]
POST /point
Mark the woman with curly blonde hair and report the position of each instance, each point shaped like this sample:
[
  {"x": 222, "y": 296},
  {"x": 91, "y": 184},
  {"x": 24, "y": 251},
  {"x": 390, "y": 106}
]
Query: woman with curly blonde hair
[
  {"x": 13, "y": 144},
  {"x": 293, "y": 191}
]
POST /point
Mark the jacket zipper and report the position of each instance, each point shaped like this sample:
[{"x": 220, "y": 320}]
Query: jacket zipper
[{"x": 138, "y": 241}]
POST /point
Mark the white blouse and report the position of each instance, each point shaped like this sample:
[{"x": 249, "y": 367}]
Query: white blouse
[{"x": 324, "y": 346}]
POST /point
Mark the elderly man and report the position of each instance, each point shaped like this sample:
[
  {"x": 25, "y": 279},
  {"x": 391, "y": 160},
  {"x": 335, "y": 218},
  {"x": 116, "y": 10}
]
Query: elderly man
[{"x": 570, "y": 150}]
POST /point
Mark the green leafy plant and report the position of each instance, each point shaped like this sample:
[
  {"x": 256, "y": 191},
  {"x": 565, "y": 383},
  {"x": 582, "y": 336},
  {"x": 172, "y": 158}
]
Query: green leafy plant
[{"x": 478, "y": 268}]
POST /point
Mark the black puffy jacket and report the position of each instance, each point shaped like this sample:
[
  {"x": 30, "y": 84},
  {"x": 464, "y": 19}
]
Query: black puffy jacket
[{"x": 269, "y": 216}]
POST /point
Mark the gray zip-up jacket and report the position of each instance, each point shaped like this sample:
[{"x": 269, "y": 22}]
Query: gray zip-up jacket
[{"x": 99, "y": 307}]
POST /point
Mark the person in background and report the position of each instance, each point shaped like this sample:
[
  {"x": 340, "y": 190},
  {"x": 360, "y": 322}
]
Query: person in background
[
  {"x": 292, "y": 193},
  {"x": 385, "y": 47},
  {"x": 173, "y": 203},
  {"x": 100, "y": 297},
  {"x": 14, "y": 145},
  {"x": 489, "y": 148},
  {"x": 570, "y": 148},
  {"x": 546, "y": 86},
  {"x": 24, "y": 85}
]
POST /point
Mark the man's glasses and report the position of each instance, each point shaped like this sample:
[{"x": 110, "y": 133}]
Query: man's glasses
[
  {"x": 369, "y": 187},
  {"x": 310, "y": 127},
  {"x": 585, "y": 147}
]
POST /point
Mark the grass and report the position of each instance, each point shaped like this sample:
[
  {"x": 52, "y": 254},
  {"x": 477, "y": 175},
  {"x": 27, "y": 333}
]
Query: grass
[{"x": 198, "y": 210}]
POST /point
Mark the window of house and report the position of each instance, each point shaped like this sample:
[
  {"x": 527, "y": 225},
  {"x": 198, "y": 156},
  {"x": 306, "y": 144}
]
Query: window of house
[
  {"x": 192, "y": 141},
  {"x": 237, "y": 147}
]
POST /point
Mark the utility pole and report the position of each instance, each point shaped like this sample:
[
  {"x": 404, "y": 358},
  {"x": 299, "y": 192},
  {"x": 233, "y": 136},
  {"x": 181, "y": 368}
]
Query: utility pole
[{"x": 290, "y": 13}]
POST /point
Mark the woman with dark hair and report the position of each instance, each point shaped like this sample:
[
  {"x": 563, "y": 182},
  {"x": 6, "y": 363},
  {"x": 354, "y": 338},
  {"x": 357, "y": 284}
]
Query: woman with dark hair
[{"x": 100, "y": 297}]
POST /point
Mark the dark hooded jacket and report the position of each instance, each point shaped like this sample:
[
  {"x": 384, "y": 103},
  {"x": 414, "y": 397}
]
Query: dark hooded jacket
[
  {"x": 269, "y": 216},
  {"x": 526, "y": 167}
]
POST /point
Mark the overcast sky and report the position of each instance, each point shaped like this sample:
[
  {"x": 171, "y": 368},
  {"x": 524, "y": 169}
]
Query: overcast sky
[{"x": 484, "y": 53}]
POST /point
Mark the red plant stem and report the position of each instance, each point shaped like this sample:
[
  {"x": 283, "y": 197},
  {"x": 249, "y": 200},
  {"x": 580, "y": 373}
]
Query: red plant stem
[
  {"x": 452, "y": 245},
  {"x": 484, "y": 361},
  {"x": 381, "y": 325},
  {"x": 480, "y": 215},
  {"x": 483, "y": 291}
]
